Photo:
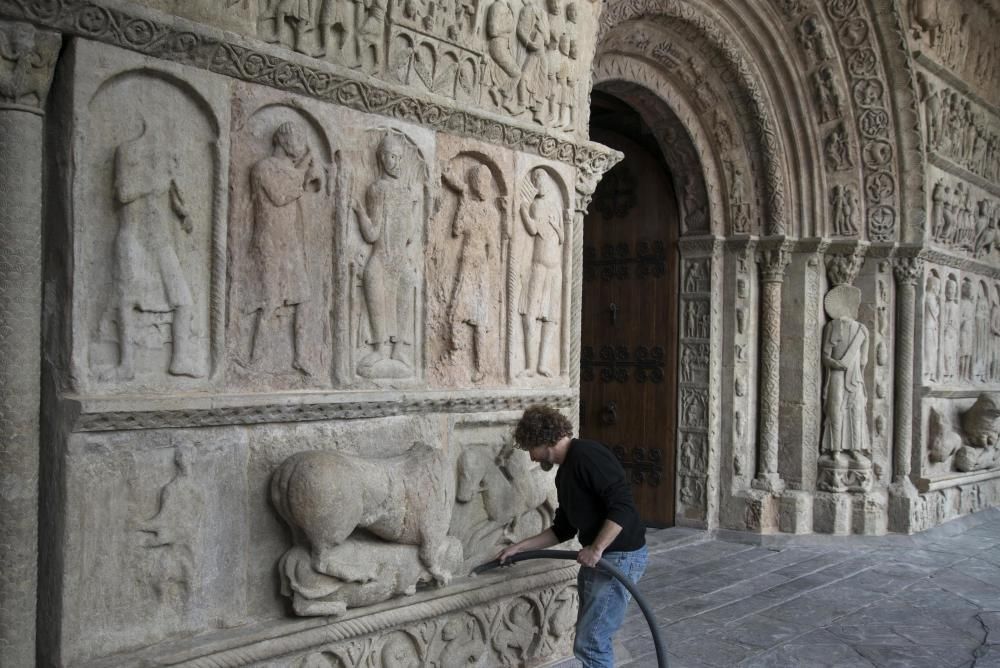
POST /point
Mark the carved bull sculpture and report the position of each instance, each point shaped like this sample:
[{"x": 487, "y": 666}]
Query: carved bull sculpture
[{"x": 408, "y": 499}]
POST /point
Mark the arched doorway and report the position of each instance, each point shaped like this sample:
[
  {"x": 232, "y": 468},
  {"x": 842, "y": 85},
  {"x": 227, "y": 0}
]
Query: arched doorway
[{"x": 628, "y": 379}]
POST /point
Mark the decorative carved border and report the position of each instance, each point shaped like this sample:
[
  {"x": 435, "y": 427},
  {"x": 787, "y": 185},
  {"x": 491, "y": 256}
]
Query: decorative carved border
[
  {"x": 961, "y": 263},
  {"x": 955, "y": 480},
  {"x": 102, "y": 416},
  {"x": 709, "y": 27},
  {"x": 270, "y": 643},
  {"x": 189, "y": 44}
]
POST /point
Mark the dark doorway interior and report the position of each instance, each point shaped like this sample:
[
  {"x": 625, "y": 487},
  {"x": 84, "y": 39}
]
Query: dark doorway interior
[{"x": 628, "y": 379}]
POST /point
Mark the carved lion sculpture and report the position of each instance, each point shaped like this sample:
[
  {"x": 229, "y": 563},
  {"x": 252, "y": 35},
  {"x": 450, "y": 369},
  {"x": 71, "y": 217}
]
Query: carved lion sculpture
[
  {"x": 326, "y": 496},
  {"x": 981, "y": 423}
]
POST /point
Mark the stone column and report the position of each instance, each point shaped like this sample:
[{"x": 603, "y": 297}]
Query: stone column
[
  {"x": 24, "y": 82},
  {"x": 773, "y": 257},
  {"x": 908, "y": 271}
]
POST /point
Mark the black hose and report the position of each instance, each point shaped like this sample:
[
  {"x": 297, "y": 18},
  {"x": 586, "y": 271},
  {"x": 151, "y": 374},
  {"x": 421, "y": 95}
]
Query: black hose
[{"x": 603, "y": 564}]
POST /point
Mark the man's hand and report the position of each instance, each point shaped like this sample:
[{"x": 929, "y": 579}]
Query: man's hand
[
  {"x": 589, "y": 556},
  {"x": 508, "y": 552}
]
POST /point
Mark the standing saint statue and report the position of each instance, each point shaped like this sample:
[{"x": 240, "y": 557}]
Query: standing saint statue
[
  {"x": 278, "y": 184},
  {"x": 845, "y": 404},
  {"x": 387, "y": 224},
  {"x": 932, "y": 325},
  {"x": 147, "y": 275},
  {"x": 543, "y": 217},
  {"x": 476, "y": 220}
]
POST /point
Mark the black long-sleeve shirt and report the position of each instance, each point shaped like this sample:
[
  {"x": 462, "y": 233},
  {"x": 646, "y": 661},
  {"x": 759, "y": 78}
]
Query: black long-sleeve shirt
[{"x": 592, "y": 487}]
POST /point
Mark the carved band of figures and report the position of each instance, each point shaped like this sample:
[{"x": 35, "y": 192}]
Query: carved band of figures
[
  {"x": 958, "y": 130},
  {"x": 205, "y": 50},
  {"x": 961, "y": 329}
]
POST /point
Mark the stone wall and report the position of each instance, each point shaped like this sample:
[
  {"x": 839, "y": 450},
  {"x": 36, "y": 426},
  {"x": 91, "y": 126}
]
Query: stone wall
[{"x": 303, "y": 268}]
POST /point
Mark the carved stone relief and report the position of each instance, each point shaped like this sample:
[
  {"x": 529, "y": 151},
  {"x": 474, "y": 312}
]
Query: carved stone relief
[
  {"x": 284, "y": 185},
  {"x": 325, "y": 497},
  {"x": 466, "y": 259},
  {"x": 152, "y": 553},
  {"x": 960, "y": 130},
  {"x": 538, "y": 273},
  {"x": 932, "y": 326},
  {"x": 965, "y": 218},
  {"x": 523, "y": 58},
  {"x": 961, "y": 36},
  {"x": 501, "y": 497},
  {"x": 965, "y": 441},
  {"x": 27, "y": 60},
  {"x": 149, "y": 275},
  {"x": 845, "y": 464}
]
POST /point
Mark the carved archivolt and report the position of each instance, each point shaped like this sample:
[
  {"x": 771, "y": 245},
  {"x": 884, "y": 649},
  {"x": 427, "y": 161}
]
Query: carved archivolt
[{"x": 698, "y": 26}]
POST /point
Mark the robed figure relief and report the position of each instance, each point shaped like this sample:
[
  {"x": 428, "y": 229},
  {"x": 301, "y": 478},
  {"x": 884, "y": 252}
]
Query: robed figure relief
[
  {"x": 845, "y": 438},
  {"x": 544, "y": 218},
  {"x": 471, "y": 308},
  {"x": 277, "y": 245},
  {"x": 147, "y": 275},
  {"x": 390, "y": 218}
]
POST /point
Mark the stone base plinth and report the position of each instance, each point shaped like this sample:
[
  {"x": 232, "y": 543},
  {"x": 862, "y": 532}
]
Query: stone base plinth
[
  {"x": 870, "y": 518},
  {"x": 761, "y": 511},
  {"x": 795, "y": 512},
  {"x": 832, "y": 513},
  {"x": 489, "y": 620}
]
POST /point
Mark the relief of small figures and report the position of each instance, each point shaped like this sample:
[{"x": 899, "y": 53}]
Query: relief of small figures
[
  {"x": 478, "y": 216},
  {"x": 345, "y": 31}
]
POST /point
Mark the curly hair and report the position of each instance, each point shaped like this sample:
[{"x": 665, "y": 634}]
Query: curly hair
[{"x": 541, "y": 425}]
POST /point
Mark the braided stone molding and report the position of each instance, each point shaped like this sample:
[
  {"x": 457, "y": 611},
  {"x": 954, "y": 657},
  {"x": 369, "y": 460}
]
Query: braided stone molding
[
  {"x": 773, "y": 256},
  {"x": 270, "y": 646},
  {"x": 152, "y": 34},
  {"x": 710, "y": 28},
  {"x": 908, "y": 271},
  {"x": 944, "y": 259},
  {"x": 91, "y": 418}
]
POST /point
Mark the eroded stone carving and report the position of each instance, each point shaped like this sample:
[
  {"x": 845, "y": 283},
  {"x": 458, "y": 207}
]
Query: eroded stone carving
[
  {"x": 170, "y": 534},
  {"x": 961, "y": 221},
  {"x": 844, "y": 202},
  {"x": 959, "y": 130},
  {"x": 147, "y": 275},
  {"x": 844, "y": 464},
  {"x": 949, "y": 331},
  {"x": 501, "y": 498},
  {"x": 405, "y": 500},
  {"x": 391, "y": 219},
  {"x": 545, "y": 218},
  {"x": 480, "y": 222},
  {"x": 278, "y": 243},
  {"x": 932, "y": 326},
  {"x": 977, "y": 445},
  {"x": 27, "y": 58}
]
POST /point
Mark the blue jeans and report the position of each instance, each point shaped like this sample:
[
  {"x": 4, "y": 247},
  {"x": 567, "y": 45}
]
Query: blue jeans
[{"x": 603, "y": 600}]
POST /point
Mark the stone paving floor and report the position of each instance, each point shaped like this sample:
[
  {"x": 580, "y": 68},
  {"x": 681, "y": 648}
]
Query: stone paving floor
[{"x": 929, "y": 600}]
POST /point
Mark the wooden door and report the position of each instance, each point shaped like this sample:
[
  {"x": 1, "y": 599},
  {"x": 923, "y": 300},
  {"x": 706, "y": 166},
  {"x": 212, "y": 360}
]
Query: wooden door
[{"x": 629, "y": 333}]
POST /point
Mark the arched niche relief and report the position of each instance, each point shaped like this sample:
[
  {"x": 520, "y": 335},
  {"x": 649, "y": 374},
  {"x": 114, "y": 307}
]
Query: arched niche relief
[
  {"x": 539, "y": 276},
  {"x": 711, "y": 83},
  {"x": 284, "y": 190},
  {"x": 389, "y": 192},
  {"x": 468, "y": 248},
  {"x": 151, "y": 266}
]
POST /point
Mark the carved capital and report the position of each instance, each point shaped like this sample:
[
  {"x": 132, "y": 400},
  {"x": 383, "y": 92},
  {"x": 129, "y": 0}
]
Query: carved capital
[
  {"x": 29, "y": 57},
  {"x": 773, "y": 258},
  {"x": 843, "y": 268},
  {"x": 908, "y": 270},
  {"x": 592, "y": 162}
]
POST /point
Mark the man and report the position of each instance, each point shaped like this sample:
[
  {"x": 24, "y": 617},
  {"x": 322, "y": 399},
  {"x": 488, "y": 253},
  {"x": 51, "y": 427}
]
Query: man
[{"x": 595, "y": 500}]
